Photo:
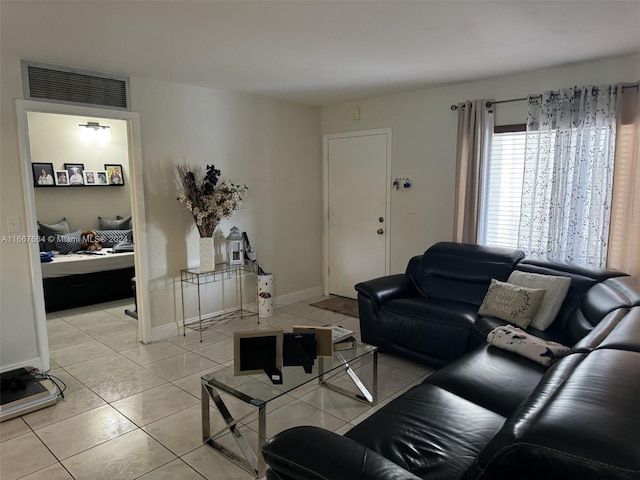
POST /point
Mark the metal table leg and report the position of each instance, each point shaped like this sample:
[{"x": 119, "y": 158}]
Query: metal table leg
[
  {"x": 366, "y": 396},
  {"x": 251, "y": 462}
]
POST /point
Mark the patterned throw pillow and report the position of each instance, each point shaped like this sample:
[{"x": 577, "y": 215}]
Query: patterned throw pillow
[
  {"x": 108, "y": 238},
  {"x": 515, "y": 304},
  {"x": 515, "y": 340},
  {"x": 69, "y": 243}
]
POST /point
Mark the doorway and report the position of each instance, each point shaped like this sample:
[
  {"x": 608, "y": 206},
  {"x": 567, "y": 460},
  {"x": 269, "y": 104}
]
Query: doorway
[
  {"x": 357, "y": 206},
  {"x": 135, "y": 198}
]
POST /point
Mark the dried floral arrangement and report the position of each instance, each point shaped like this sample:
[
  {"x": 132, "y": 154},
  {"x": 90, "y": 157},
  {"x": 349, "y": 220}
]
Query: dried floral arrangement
[{"x": 207, "y": 195}]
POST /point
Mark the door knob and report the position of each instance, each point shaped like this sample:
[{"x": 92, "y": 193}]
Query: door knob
[{"x": 380, "y": 231}]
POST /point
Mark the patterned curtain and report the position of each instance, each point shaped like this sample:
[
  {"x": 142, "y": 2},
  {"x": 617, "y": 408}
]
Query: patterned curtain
[
  {"x": 568, "y": 175},
  {"x": 475, "y": 129}
]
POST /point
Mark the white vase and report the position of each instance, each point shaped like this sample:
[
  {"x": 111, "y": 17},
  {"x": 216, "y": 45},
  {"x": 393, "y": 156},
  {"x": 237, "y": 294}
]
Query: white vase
[{"x": 207, "y": 254}]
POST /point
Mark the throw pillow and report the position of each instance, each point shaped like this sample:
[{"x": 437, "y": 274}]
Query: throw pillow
[
  {"x": 49, "y": 232},
  {"x": 515, "y": 340},
  {"x": 120, "y": 223},
  {"x": 512, "y": 303},
  {"x": 69, "y": 243},
  {"x": 109, "y": 238},
  {"x": 556, "y": 290}
]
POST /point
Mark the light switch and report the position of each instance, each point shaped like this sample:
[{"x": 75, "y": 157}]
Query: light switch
[
  {"x": 14, "y": 225},
  {"x": 355, "y": 113},
  {"x": 412, "y": 208}
]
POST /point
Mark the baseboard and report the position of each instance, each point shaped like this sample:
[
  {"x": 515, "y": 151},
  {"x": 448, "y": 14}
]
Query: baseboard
[
  {"x": 299, "y": 296},
  {"x": 34, "y": 363},
  {"x": 163, "y": 332},
  {"x": 172, "y": 330}
]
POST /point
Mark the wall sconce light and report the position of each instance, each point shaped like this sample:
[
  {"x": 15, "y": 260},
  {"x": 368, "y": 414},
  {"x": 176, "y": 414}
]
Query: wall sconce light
[{"x": 94, "y": 125}]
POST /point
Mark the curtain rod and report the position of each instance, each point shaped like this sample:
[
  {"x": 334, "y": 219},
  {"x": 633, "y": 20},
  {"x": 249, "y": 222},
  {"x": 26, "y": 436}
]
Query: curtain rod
[{"x": 522, "y": 99}]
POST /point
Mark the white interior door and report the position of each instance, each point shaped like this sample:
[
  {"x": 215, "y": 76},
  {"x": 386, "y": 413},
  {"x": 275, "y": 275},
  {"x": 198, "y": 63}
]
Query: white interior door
[{"x": 357, "y": 180}]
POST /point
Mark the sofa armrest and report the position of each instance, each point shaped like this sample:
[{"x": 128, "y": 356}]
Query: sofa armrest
[
  {"x": 372, "y": 294},
  {"x": 311, "y": 453},
  {"x": 383, "y": 289}
]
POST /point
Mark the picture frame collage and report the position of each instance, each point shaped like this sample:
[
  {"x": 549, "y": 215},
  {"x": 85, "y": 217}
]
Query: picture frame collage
[{"x": 75, "y": 175}]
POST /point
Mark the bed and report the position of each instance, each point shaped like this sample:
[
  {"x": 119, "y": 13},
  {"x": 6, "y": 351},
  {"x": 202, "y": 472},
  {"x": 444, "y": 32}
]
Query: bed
[{"x": 83, "y": 278}]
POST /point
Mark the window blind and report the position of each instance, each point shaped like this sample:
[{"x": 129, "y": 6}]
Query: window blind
[{"x": 503, "y": 190}]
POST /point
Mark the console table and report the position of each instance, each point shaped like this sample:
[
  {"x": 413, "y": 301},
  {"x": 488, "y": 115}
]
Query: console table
[{"x": 198, "y": 277}]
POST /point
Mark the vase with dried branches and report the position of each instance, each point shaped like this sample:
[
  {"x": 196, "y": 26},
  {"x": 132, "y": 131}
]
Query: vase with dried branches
[{"x": 209, "y": 198}]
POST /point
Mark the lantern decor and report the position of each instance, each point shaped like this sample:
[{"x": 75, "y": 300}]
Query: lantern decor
[{"x": 235, "y": 247}]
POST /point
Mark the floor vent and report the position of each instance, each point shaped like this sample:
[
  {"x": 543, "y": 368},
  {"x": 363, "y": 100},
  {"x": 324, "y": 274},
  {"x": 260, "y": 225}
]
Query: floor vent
[{"x": 78, "y": 87}]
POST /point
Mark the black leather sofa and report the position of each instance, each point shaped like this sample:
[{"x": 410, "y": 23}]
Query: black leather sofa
[{"x": 488, "y": 413}]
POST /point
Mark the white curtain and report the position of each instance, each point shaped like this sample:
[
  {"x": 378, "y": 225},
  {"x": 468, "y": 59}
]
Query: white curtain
[
  {"x": 568, "y": 175},
  {"x": 475, "y": 129}
]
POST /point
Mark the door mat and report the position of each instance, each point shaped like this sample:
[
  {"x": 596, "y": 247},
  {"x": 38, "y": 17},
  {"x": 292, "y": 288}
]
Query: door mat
[{"x": 346, "y": 306}]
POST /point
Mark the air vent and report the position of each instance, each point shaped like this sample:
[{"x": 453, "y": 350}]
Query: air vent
[{"x": 79, "y": 87}]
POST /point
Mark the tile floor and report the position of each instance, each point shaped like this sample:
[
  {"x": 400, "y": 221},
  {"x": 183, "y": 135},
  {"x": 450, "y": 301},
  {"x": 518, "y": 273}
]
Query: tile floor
[{"x": 132, "y": 411}]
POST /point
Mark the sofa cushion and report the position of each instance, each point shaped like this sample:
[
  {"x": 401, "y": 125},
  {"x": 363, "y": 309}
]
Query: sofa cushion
[
  {"x": 490, "y": 377},
  {"x": 556, "y": 288},
  {"x": 570, "y": 324},
  {"x": 513, "y": 303},
  {"x": 625, "y": 335},
  {"x": 429, "y": 431},
  {"x": 436, "y": 327},
  {"x": 462, "y": 272},
  {"x": 581, "y": 421}
]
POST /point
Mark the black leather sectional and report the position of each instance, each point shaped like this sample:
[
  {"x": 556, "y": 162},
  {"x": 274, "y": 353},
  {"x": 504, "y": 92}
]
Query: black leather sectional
[{"x": 488, "y": 413}]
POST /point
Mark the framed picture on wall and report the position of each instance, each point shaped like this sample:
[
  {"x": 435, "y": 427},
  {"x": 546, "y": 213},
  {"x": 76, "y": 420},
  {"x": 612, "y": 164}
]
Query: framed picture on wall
[
  {"x": 62, "y": 178},
  {"x": 101, "y": 177},
  {"x": 114, "y": 174},
  {"x": 90, "y": 177},
  {"x": 74, "y": 172},
  {"x": 43, "y": 175}
]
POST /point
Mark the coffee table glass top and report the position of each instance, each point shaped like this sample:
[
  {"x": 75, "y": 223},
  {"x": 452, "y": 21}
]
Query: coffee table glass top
[{"x": 258, "y": 389}]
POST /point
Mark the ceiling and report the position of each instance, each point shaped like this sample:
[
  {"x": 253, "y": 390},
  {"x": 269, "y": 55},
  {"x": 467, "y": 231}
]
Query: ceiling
[{"x": 317, "y": 52}]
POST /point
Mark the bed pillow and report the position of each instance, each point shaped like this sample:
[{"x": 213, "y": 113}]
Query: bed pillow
[
  {"x": 513, "y": 303},
  {"x": 109, "y": 238},
  {"x": 69, "y": 243},
  {"x": 49, "y": 232},
  {"x": 119, "y": 223},
  {"x": 556, "y": 290}
]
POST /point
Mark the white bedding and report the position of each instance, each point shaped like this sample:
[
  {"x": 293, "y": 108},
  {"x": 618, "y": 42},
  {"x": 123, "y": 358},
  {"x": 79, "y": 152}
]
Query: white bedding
[{"x": 75, "y": 264}]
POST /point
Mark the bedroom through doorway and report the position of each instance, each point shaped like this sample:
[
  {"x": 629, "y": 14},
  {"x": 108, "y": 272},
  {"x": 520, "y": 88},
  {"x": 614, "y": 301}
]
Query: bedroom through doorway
[
  {"x": 87, "y": 285},
  {"x": 81, "y": 206}
]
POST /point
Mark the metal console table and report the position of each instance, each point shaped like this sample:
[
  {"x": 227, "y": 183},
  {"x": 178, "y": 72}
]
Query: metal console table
[{"x": 199, "y": 277}]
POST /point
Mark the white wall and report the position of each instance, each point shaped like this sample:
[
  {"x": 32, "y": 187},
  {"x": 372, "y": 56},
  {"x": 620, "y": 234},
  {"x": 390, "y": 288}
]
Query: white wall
[
  {"x": 58, "y": 139},
  {"x": 18, "y": 344},
  {"x": 273, "y": 147},
  {"x": 424, "y": 140}
]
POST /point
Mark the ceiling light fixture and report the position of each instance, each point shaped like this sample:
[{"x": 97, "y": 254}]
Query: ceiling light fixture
[{"x": 94, "y": 125}]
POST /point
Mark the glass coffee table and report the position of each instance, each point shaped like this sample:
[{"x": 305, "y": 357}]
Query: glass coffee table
[{"x": 257, "y": 390}]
